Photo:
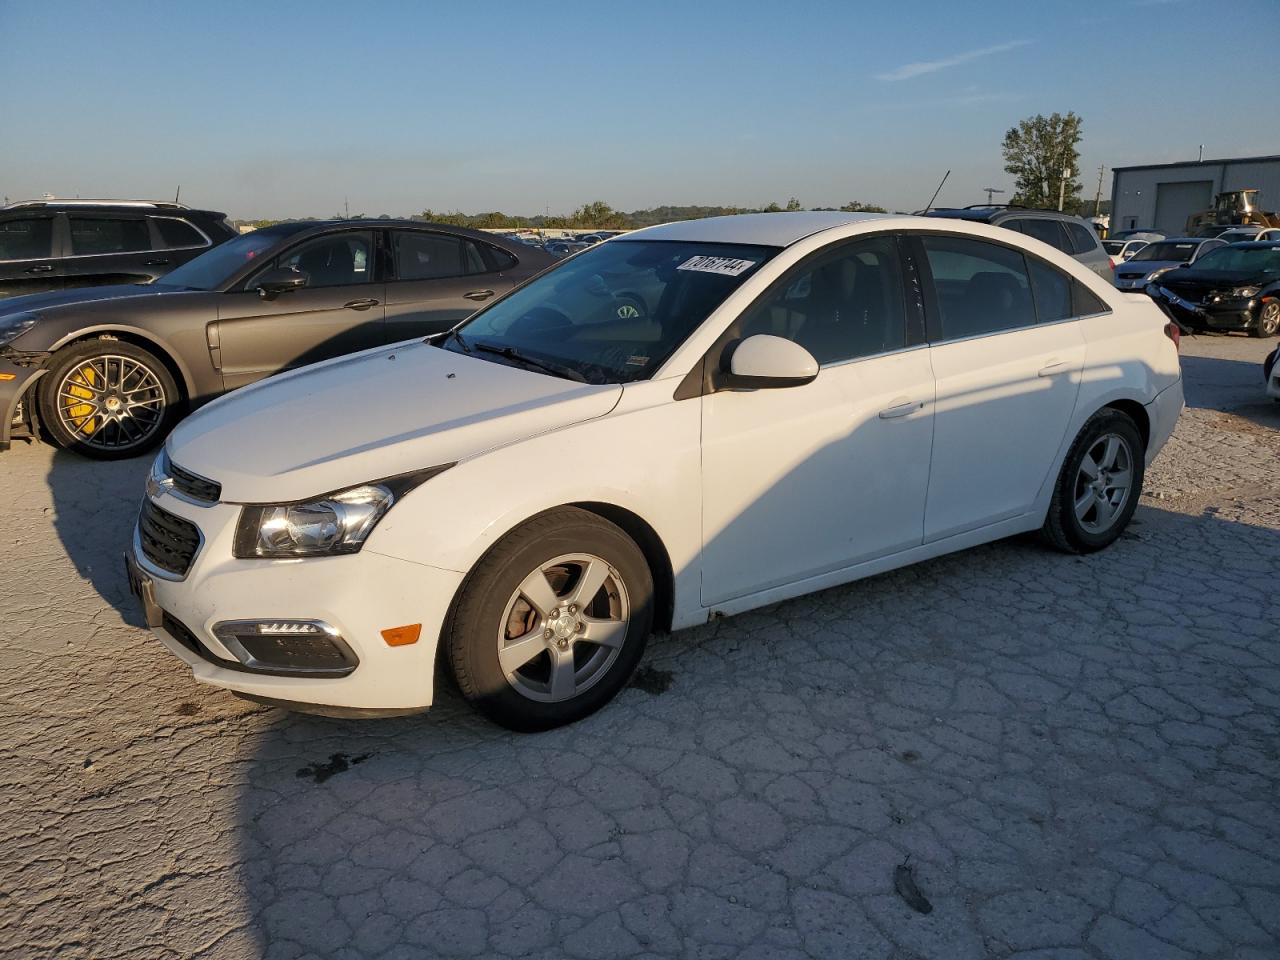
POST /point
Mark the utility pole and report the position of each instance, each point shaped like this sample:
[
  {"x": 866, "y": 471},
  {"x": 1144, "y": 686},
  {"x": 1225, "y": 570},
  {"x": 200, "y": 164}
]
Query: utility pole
[
  {"x": 1097, "y": 197},
  {"x": 1062, "y": 187},
  {"x": 990, "y": 191},
  {"x": 346, "y": 209},
  {"x": 1200, "y": 159}
]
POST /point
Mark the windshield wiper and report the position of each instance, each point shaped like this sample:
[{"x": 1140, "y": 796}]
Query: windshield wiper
[
  {"x": 547, "y": 366},
  {"x": 455, "y": 335}
]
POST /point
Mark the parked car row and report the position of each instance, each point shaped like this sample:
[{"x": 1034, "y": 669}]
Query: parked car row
[{"x": 1234, "y": 287}]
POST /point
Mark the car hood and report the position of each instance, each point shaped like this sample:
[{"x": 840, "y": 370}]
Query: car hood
[
  {"x": 1145, "y": 266},
  {"x": 1216, "y": 278},
  {"x": 372, "y": 415},
  {"x": 36, "y": 302}
]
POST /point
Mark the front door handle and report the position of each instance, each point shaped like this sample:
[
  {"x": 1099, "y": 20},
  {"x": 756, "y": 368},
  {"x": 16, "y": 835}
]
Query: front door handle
[
  {"x": 1052, "y": 367},
  {"x": 900, "y": 408},
  {"x": 160, "y": 262},
  {"x": 479, "y": 295},
  {"x": 360, "y": 304},
  {"x": 43, "y": 268}
]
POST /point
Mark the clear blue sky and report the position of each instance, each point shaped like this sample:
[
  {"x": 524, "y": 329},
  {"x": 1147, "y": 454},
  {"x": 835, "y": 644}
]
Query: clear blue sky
[{"x": 283, "y": 109}]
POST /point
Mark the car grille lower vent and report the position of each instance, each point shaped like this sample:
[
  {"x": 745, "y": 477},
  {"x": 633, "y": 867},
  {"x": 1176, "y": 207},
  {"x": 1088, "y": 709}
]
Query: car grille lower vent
[
  {"x": 167, "y": 541},
  {"x": 193, "y": 485}
]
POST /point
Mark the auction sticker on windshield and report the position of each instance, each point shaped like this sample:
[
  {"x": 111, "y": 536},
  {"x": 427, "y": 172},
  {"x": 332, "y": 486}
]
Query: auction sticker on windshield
[{"x": 728, "y": 266}]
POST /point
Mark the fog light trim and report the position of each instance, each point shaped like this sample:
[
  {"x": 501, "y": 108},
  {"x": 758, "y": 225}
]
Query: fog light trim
[{"x": 287, "y": 648}]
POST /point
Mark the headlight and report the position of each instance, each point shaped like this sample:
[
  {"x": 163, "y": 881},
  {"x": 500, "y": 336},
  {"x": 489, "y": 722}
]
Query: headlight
[
  {"x": 327, "y": 526},
  {"x": 1155, "y": 273},
  {"x": 1245, "y": 292},
  {"x": 15, "y": 325}
]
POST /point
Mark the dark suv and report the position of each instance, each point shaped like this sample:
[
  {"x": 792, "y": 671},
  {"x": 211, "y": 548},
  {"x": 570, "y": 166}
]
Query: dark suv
[
  {"x": 55, "y": 244},
  {"x": 1069, "y": 234}
]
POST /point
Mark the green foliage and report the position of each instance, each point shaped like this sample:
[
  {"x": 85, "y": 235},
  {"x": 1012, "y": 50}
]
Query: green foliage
[
  {"x": 857, "y": 206},
  {"x": 1037, "y": 152}
]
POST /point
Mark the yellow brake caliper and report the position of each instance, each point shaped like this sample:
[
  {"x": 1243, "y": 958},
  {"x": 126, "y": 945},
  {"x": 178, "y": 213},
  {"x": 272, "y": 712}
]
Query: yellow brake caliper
[{"x": 81, "y": 414}]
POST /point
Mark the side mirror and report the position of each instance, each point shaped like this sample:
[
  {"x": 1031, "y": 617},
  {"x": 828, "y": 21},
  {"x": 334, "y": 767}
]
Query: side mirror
[
  {"x": 281, "y": 280},
  {"x": 765, "y": 361}
]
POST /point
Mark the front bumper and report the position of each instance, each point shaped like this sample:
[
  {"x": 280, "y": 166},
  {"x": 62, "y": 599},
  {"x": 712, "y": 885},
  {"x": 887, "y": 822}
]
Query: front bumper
[
  {"x": 15, "y": 380},
  {"x": 1223, "y": 314},
  {"x": 360, "y": 595}
]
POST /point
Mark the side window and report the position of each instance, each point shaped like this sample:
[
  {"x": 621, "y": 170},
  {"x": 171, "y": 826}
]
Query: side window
[
  {"x": 332, "y": 261},
  {"x": 1082, "y": 238},
  {"x": 1052, "y": 291},
  {"x": 30, "y": 239},
  {"x": 846, "y": 304},
  {"x": 177, "y": 233},
  {"x": 981, "y": 287},
  {"x": 1046, "y": 230},
  {"x": 434, "y": 256},
  {"x": 1084, "y": 302},
  {"x": 501, "y": 259},
  {"x": 90, "y": 235}
]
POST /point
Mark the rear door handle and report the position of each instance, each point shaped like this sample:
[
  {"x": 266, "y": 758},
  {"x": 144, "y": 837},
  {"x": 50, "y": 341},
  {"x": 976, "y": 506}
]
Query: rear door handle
[
  {"x": 155, "y": 263},
  {"x": 900, "y": 408},
  {"x": 479, "y": 295},
  {"x": 360, "y": 304},
  {"x": 1052, "y": 367},
  {"x": 43, "y": 268}
]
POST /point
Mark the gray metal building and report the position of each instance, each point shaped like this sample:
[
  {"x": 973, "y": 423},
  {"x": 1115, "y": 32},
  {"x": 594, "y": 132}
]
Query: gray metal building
[{"x": 1163, "y": 195}]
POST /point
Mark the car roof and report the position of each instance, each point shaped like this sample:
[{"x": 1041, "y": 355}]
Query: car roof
[{"x": 762, "y": 229}]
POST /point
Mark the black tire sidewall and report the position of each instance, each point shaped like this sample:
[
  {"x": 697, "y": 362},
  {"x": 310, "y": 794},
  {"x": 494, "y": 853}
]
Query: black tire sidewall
[
  {"x": 471, "y": 636},
  {"x": 68, "y": 357},
  {"x": 1109, "y": 421}
]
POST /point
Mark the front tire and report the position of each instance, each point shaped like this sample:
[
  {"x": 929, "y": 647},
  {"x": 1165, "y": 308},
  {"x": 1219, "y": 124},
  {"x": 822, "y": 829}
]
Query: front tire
[
  {"x": 1268, "y": 320},
  {"x": 552, "y": 622},
  {"x": 107, "y": 399},
  {"x": 1099, "y": 485}
]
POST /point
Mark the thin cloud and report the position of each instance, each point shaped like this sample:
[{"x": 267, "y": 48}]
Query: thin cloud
[{"x": 909, "y": 70}]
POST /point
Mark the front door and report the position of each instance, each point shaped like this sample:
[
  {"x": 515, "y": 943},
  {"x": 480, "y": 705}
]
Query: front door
[
  {"x": 339, "y": 311},
  {"x": 435, "y": 280},
  {"x": 802, "y": 481},
  {"x": 1007, "y": 366},
  {"x": 27, "y": 262}
]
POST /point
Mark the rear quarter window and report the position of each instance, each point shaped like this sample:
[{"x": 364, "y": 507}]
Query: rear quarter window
[{"x": 1082, "y": 238}]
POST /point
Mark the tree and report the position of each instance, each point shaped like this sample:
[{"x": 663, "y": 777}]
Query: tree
[
  {"x": 857, "y": 206},
  {"x": 1039, "y": 152},
  {"x": 793, "y": 205}
]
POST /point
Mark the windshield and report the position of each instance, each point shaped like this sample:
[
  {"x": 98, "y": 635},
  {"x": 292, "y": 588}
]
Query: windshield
[
  {"x": 614, "y": 313},
  {"x": 1242, "y": 260},
  {"x": 1166, "y": 250},
  {"x": 214, "y": 267}
]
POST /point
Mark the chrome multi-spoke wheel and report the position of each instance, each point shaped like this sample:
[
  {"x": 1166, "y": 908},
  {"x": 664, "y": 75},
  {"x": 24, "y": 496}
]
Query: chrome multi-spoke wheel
[
  {"x": 107, "y": 399},
  {"x": 1268, "y": 320},
  {"x": 1103, "y": 483},
  {"x": 552, "y": 621},
  {"x": 563, "y": 627},
  {"x": 1099, "y": 484},
  {"x": 111, "y": 402}
]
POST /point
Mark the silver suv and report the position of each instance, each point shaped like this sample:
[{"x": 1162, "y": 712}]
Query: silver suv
[{"x": 1069, "y": 234}]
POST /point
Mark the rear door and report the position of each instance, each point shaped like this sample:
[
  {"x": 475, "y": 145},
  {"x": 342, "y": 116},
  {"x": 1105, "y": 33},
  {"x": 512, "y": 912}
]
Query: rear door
[
  {"x": 1006, "y": 379},
  {"x": 339, "y": 311},
  {"x": 109, "y": 248},
  {"x": 435, "y": 279},
  {"x": 175, "y": 241},
  {"x": 27, "y": 255}
]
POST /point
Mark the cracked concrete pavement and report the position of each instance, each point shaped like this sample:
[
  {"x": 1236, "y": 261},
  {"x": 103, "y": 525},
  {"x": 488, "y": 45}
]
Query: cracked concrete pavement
[{"x": 1078, "y": 758}]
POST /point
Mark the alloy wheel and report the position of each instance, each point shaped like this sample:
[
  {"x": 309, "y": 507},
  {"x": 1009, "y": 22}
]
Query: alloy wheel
[
  {"x": 1269, "y": 319},
  {"x": 1103, "y": 483},
  {"x": 111, "y": 402},
  {"x": 563, "y": 627}
]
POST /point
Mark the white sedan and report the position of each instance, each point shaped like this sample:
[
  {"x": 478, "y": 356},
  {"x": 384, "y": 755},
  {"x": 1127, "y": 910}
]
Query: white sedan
[{"x": 686, "y": 422}]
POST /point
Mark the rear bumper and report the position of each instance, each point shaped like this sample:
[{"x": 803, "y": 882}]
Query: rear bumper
[
  {"x": 1162, "y": 414},
  {"x": 15, "y": 380}
]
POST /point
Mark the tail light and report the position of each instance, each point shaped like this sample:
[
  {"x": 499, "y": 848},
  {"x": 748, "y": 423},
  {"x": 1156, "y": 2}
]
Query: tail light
[
  {"x": 1112, "y": 261},
  {"x": 1174, "y": 333}
]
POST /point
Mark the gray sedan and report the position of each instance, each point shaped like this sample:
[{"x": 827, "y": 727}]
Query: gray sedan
[
  {"x": 1160, "y": 256},
  {"x": 107, "y": 370}
]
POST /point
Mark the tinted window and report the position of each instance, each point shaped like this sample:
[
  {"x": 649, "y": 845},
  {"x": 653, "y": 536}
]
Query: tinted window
[
  {"x": 1052, "y": 291},
  {"x": 215, "y": 267},
  {"x": 1083, "y": 239},
  {"x": 1084, "y": 302},
  {"x": 1047, "y": 231},
  {"x": 981, "y": 287},
  {"x": 26, "y": 239},
  {"x": 847, "y": 304},
  {"x": 1167, "y": 250},
  {"x": 100, "y": 235},
  {"x": 501, "y": 259},
  {"x": 178, "y": 233},
  {"x": 1256, "y": 260},
  {"x": 433, "y": 256},
  {"x": 332, "y": 261}
]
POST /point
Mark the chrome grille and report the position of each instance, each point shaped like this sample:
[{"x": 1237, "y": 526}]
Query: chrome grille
[
  {"x": 193, "y": 485},
  {"x": 168, "y": 541}
]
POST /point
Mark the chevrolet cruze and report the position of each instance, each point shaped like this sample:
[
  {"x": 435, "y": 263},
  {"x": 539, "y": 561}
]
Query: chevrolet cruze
[{"x": 686, "y": 422}]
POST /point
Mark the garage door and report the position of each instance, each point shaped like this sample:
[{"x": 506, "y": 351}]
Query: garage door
[{"x": 1177, "y": 201}]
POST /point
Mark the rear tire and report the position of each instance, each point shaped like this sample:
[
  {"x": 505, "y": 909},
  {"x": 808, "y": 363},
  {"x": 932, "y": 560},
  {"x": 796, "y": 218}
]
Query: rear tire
[
  {"x": 107, "y": 399},
  {"x": 1099, "y": 485},
  {"x": 552, "y": 622}
]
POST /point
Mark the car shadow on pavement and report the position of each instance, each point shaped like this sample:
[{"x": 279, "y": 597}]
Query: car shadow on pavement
[
  {"x": 1236, "y": 388},
  {"x": 1033, "y": 733},
  {"x": 95, "y": 505}
]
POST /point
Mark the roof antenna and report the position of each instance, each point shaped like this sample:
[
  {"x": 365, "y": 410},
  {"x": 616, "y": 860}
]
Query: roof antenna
[
  {"x": 936, "y": 192},
  {"x": 176, "y": 194}
]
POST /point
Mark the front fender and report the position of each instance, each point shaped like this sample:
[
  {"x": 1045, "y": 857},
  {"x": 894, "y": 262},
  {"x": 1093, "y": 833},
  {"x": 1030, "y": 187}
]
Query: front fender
[{"x": 15, "y": 380}]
